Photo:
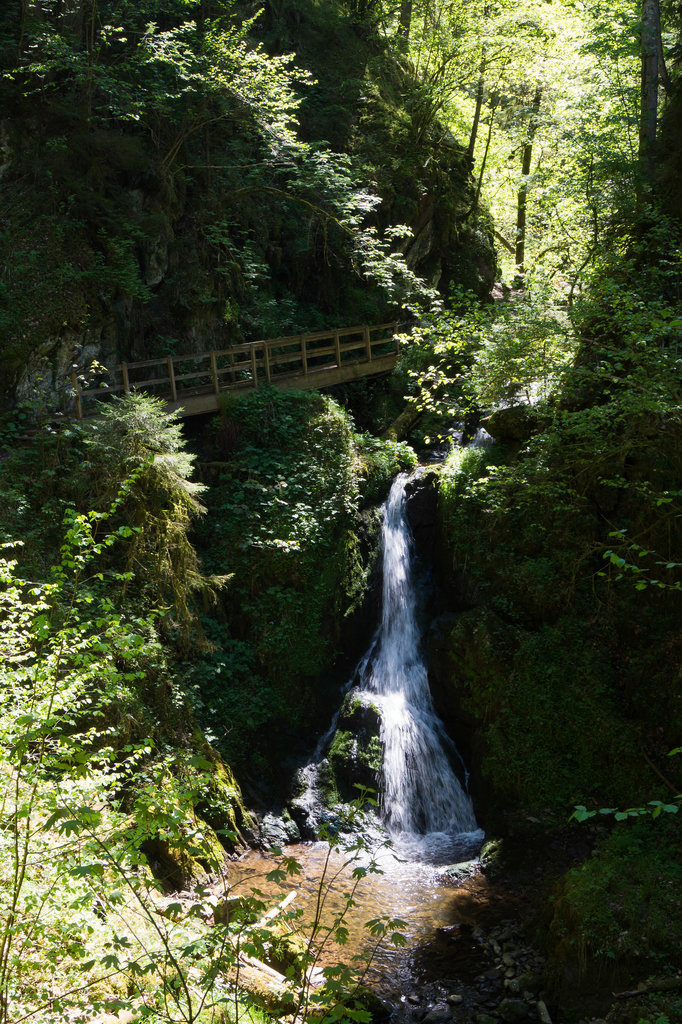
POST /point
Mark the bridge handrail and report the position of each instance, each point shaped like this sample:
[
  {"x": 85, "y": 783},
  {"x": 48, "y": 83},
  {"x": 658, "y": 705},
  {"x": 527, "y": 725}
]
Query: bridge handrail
[{"x": 263, "y": 357}]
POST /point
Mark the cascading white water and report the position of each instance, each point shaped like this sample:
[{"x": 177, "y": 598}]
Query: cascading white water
[{"x": 424, "y": 804}]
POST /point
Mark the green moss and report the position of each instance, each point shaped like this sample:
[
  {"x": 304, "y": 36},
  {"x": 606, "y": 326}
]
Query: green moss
[{"x": 355, "y": 761}]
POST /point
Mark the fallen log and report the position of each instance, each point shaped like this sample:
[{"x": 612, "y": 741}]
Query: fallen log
[
  {"x": 657, "y": 985},
  {"x": 403, "y": 424}
]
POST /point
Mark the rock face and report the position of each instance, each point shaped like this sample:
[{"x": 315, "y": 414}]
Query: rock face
[{"x": 422, "y": 511}]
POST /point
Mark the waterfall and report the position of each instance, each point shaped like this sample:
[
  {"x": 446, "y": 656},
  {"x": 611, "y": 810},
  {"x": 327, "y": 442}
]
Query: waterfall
[{"x": 423, "y": 802}]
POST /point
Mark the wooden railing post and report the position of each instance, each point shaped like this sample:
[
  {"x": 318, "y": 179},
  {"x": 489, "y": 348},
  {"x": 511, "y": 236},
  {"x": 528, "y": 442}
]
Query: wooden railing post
[
  {"x": 171, "y": 379},
  {"x": 337, "y": 346},
  {"x": 266, "y": 360},
  {"x": 304, "y": 356},
  {"x": 126, "y": 381},
  {"x": 214, "y": 374},
  {"x": 77, "y": 395},
  {"x": 254, "y": 366},
  {"x": 368, "y": 343}
]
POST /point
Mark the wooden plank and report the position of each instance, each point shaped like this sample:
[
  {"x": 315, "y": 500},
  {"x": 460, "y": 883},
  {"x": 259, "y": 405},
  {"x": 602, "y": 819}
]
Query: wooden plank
[
  {"x": 277, "y": 910},
  {"x": 318, "y": 335},
  {"x": 156, "y": 381},
  {"x": 304, "y": 356},
  {"x": 266, "y": 360},
  {"x": 171, "y": 380},
  {"x": 254, "y": 367},
  {"x": 316, "y": 353},
  {"x": 245, "y": 365},
  {"x": 126, "y": 382},
  {"x": 214, "y": 373},
  {"x": 368, "y": 342},
  {"x": 337, "y": 347},
  {"x": 294, "y": 357},
  {"x": 352, "y": 346},
  {"x": 152, "y": 362},
  {"x": 77, "y": 396},
  {"x": 94, "y": 392},
  {"x": 194, "y": 375}
]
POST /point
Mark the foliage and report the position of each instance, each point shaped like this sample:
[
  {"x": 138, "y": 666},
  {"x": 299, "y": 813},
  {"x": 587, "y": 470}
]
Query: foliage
[
  {"x": 623, "y": 902},
  {"x": 588, "y": 516},
  {"x": 137, "y": 434},
  {"x": 87, "y": 811},
  {"x": 473, "y": 357},
  {"x": 283, "y": 514},
  {"x": 145, "y": 120}
]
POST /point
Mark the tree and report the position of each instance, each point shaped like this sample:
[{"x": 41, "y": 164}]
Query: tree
[
  {"x": 651, "y": 48},
  {"x": 522, "y": 198}
]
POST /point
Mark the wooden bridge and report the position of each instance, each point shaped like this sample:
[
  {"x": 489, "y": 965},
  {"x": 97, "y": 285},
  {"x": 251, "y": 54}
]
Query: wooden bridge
[{"x": 193, "y": 384}]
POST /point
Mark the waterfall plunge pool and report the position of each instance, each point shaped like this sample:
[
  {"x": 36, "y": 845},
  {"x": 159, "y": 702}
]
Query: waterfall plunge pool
[{"x": 443, "y": 909}]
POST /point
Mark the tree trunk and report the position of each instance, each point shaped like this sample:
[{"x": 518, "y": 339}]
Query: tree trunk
[
  {"x": 480, "y": 90},
  {"x": 648, "y": 113},
  {"x": 405, "y": 19},
  {"x": 522, "y": 197},
  {"x": 494, "y": 100}
]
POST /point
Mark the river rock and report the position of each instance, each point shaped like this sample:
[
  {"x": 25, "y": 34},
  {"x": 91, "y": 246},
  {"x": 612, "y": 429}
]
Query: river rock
[
  {"x": 276, "y": 831},
  {"x": 486, "y": 1018},
  {"x": 513, "y": 1010},
  {"x": 439, "y": 1015},
  {"x": 530, "y": 981}
]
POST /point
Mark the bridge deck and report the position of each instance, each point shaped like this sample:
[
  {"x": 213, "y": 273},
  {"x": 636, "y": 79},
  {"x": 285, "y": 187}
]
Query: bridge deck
[{"x": 193, "y": 384}]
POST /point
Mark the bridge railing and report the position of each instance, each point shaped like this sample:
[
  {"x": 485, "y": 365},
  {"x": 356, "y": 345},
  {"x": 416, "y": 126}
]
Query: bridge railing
[{"x": 241, "y": 367}]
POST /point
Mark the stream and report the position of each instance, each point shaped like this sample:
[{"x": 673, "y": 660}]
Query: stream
[{"x": 462, "y": 957}]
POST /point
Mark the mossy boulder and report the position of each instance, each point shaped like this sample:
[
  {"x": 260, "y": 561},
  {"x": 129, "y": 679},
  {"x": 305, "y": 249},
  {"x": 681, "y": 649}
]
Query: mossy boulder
[{"x": 355, "y": 755}]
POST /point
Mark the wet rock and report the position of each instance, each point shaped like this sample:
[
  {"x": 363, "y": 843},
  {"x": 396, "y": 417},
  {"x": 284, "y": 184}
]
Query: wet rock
[
  {"x": 530, "y": 981},
  {"x": 422, "y": 510},
  {"x": 543, "y": 1012},
  {"x": 275, "y": 831},
  {"x": 455, "y": 999},
  {"x": 439, "y": 1015},
  {"x": 486, "y": 1018},
  {"x": 513, "y": 1010},
  {"x": 457, "y": 872}
]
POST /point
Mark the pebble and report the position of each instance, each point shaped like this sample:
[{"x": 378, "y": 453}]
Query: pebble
[{"x": 455, "y": 999}]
